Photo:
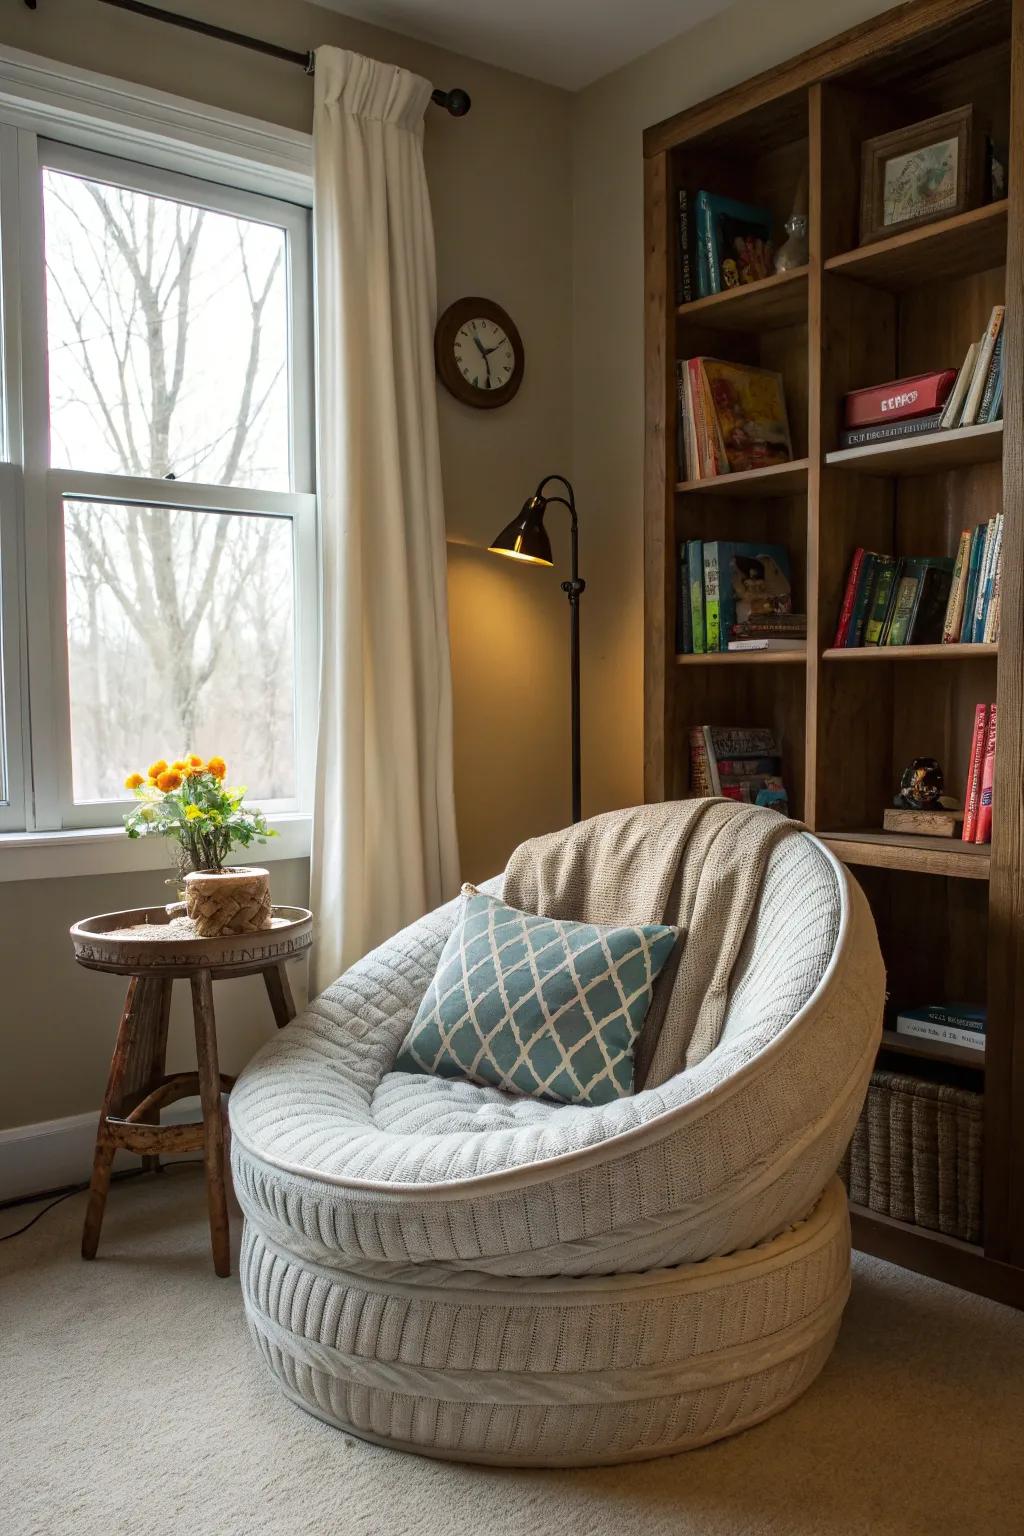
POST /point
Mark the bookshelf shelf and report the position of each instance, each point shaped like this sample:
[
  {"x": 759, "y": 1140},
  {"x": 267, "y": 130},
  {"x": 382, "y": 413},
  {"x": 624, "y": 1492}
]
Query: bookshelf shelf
[
  {"x": 777, "y": 480},
  {"x": 877, "y": 653},
  {"x": 924, "y": 455},
  {"x": 949, "y": 914},
  {"x": 945, "y": 856},
  {"x": 932, "y": 1050},
  {"x": 768, "y": 305},
  {"x": 744, "y": 658},
  {"x": 967, "y": 243}
]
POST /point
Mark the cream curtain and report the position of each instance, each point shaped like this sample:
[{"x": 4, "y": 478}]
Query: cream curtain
[{"x": 384, "y": 840}]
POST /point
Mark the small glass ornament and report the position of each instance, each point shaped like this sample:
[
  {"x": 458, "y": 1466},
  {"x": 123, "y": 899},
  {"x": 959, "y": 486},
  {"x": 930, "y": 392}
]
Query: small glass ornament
[{"x": 793, "y": 252}]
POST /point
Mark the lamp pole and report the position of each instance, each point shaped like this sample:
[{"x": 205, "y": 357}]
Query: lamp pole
[{"x": 572, "y": 589}]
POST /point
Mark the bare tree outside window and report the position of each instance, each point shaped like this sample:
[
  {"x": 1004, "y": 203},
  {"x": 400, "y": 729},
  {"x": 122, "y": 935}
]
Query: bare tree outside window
[{"x": 168, "y": 347}]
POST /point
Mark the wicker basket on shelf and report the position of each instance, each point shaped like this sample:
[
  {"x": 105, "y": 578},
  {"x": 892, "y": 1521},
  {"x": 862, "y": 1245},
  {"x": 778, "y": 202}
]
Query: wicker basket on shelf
[{"x": 916, "y": 1155}]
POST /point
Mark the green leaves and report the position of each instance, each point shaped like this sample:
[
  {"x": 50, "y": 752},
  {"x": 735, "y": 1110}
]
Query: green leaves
[{"x": 201, "y": 813}]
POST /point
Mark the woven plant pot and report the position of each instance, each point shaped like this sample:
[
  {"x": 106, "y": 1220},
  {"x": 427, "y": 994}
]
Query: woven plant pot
[{"x": 228, "y": 901}]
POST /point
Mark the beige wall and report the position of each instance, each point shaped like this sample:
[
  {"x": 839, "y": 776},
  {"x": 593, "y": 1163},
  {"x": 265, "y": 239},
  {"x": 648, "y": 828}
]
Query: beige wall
[
  {"x": 608, "y": 122},
  {"x": 500, "y": 189}
]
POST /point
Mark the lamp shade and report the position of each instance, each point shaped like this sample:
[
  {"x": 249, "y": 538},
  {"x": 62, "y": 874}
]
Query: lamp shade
[{"x": 526, "y": 538}]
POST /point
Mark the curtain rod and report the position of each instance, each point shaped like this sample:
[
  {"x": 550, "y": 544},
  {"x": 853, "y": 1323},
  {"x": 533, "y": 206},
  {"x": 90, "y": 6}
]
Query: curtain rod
[{"x": 455, "y": 102}]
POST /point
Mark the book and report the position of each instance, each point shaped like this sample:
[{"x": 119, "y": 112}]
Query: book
[
  {"x": 748, "y": 767},
  {"x": 991, "y": 634},
  {"x": 695, "y": 571},
  {"x": 752, "y": 581},
  {"x": 765, "y": 626},
  {"x": 742, "y": 741},
  {"x": 686, "y": 288},
  {"x": 849, "y": 596},
  {"x": 935, "y": 580},
  {"x": 684, "y": 613},
  {"x": 682, "y": 445},
  {"x": 981, "y": 365},
  {"x": 890, "y": 431},
  {"x": 712, "y": 600},
  {"x": 973, "y": 571},
  {"x": 975, "y": 623},
  {"x": 903, "y": 605},
  {"x": 767, "y": 645},
  {"x": 700, "y": 773},
  {"x": 862, "y": 598},
  {"x": 749, "y": 410},
  {"x": 734, "y": 243},
  {"x": 958, "y": 394},
  {"x": 983, "y": 824},
  {"x": 988, "y": 393},
  {"x": 946, "y": 1015},
  {"x": 916, "y": 1028},
  {"x": 924, "y": 394},
  {"x": 991, "y": 575},
  {"x": 955, "y": 605},
  {"x": 973, "y": 793},
  {"x": 886, "y": 567}
]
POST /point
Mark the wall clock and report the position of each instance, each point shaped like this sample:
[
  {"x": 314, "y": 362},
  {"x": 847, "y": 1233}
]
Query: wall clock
[{"x": 479, "y": 353}]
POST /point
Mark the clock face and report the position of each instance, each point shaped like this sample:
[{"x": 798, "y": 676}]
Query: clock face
[
  {"x": 479, "y": 353},
  {"x": 483, "y": 354}
]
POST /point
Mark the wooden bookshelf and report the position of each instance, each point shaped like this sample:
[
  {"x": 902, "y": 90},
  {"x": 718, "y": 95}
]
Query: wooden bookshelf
[
  {"x": 932, "y": 1050},
  {"x": 950, "y": 915}
]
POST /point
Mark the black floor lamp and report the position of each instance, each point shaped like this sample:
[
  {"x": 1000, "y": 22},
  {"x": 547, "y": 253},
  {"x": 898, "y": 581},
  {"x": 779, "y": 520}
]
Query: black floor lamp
[{"x": 526, "y": 538}]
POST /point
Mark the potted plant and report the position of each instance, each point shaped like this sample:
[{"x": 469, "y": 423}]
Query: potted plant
[{"x": 188, "y": 802}]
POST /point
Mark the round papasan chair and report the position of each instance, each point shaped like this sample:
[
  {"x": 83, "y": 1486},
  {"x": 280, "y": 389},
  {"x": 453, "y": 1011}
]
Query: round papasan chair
[{"x": 444, "y": 1268}]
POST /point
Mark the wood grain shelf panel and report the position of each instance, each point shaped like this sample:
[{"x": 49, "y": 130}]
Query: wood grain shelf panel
[
  {"x": 933, "y": 1050},
  {"x": 979, "y": 652},
  {"x": 767, "y": 305},
  {"x": 924, "y": 455},
  {"x": 744, "y": 658},
  {"x": 968, "y": 242},
  {"x": 932, "y": 1253},
  {"x": 916, "y": 855},
  {"x": 777, "y": 480}
]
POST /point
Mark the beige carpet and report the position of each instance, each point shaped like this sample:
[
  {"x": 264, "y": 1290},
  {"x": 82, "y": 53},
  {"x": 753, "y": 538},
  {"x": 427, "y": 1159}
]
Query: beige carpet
[{"x": 133, "y": 1402}]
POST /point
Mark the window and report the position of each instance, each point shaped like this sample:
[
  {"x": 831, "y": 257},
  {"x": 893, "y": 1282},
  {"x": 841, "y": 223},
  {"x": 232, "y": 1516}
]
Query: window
[{"x": 157, "y": 521}]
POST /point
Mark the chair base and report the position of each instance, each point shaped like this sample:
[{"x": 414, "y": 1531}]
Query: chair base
[{"x": 553, "y": 1372}]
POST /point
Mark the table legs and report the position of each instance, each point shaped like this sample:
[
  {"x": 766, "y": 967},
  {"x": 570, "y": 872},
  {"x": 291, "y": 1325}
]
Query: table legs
[
  {"x": 213, "y": 1120},
  {"x": 280, "y": 993}
]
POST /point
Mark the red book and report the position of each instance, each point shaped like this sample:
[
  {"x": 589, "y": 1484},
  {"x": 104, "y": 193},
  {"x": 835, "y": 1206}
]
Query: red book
[
  {"x": 973, "y": 794},
  {"x": 846, "y": 611},
  {"x": 900, "y": 399},
  {"x": 983, "y": 825}
]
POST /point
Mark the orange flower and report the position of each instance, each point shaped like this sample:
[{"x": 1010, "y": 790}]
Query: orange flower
[
  {"x": 196, "y": 762},
  {"x": 217, "y": 766},
  {"x": 156, "y": 769},
  {"x": 133, "y": 781},
  {"x": 180, "y": 764},
  {"x": 151, "y": 782},
  {"x": 169, "y": 779}
]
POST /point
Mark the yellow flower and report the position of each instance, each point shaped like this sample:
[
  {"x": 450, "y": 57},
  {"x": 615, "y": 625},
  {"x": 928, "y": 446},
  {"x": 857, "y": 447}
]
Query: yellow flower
[
  {"x": 133, "y": 781},
  {"x": 180, "y": 764},
  {"x": 169, "y": 779},
  {"x": 217, "y": 766},
  {"x": 156, "y": 769},
  {"x": 192, "y": 813},
  {"x": 151, "y": 782},
  {"x": 196, "y": 762}
]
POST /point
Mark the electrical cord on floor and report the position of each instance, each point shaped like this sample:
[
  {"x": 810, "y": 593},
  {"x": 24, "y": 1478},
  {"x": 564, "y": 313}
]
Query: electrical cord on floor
[{"x": 78, "y": 1189}]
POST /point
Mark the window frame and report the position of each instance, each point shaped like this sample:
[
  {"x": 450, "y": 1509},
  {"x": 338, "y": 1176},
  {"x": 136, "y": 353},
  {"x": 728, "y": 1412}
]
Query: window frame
[{"x": 37, "y": 721}]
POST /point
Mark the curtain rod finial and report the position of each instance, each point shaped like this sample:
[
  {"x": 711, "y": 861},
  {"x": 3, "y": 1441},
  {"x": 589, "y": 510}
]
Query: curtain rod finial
[{"x": 455, "y": 102}]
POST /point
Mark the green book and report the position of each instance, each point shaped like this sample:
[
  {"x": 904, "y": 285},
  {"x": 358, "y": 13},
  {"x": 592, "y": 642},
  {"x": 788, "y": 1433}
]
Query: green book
[
  {"x": 885, "y": 580},
  {"x": 904, "y": 599},
  {"x": 713, "y": 637},
  {"x": 695, "y": 575}
]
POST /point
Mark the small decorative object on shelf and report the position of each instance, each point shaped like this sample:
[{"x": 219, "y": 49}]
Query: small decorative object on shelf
[
  {"x": 921, "y": 807},
  {"x": 921, "y": 785},
  {"x": 931, "y": 170},
  {"x": 794, "y": 250},
  {"x": 188, "y": 802}
]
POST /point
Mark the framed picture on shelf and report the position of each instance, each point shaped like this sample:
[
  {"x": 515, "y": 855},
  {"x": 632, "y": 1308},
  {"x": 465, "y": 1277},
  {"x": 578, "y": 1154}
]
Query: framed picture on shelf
[{"x": 911, "y": 176}]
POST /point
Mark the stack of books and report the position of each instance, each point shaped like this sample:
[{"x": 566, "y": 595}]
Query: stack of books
[
  {"x": 980, "y": 777},
  {"x": 741, "y": 763},
  {"x": 730, "y": 418},
  {"x": 932, "y": 402},
  {"x": 925, "y": 599},
  {"x": 952, "y": 1024},
  {"x": 720, "y": 244},
  {"x": 735, "y": 595},
  {"x": 972, "y": 613}
]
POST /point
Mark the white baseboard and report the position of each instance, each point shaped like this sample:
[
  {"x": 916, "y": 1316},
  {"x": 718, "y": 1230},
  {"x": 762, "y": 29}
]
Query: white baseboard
[{"x": 53, "y": 1153}]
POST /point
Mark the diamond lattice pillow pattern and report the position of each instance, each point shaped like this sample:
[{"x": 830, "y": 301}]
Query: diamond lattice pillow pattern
[{"x": 539, "y": 1007}]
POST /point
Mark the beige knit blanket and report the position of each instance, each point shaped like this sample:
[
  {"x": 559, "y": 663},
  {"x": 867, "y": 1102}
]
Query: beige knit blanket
[{"x": 697, "y": 864}]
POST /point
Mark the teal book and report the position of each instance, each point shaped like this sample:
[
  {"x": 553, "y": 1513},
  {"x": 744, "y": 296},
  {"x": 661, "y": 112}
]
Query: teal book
[
  {"x": 734, "y": 243},
  {"x": 695, "y": 574},
  {"x": 973, "y": 573},
  {"x": 753, "y": 583}
]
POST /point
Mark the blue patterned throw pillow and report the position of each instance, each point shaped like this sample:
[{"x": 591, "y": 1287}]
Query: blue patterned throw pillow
[{"x": 539, "y": 1007}]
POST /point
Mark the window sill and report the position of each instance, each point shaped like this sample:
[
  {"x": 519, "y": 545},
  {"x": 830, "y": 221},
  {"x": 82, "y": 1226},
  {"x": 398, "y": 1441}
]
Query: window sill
[{"x": 108, "y": 851}]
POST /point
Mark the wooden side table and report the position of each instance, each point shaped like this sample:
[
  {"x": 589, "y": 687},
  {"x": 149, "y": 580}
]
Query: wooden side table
[{"x": 155, "y": 951}]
